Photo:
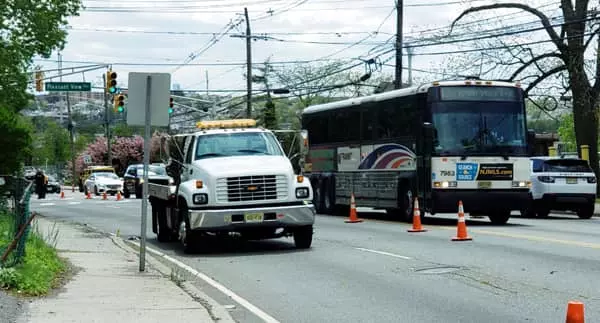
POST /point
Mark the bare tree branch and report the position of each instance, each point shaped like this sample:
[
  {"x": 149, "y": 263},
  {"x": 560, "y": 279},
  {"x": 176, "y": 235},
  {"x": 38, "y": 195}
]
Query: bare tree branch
[
  {"x": 554, "y": 37},
  {"x": 544, "y": 76},
  {"x": 532, "y": 61}
]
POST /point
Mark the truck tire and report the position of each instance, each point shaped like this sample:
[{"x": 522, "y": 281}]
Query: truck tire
[
  {"x": 586, "y": 212},
  {"x": 499, "y": 217},
  {"x": 303, "y": 237}
]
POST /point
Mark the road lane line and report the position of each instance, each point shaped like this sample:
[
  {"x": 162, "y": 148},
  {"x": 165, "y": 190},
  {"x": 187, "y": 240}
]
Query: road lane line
[
  {"x": 47, "y": 204},
  {"x": 542, "y": 239},
  {"x": 384, "y": 253},
  {"x": 240, "y": 300},
  {"x": 74, "y": 203}
]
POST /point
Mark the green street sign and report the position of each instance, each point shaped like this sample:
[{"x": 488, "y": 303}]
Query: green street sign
[{"x": 68, "y": 86}]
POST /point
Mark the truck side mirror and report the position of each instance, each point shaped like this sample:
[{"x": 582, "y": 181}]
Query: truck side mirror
[
  {"x": 530, "y": 142},
  {"x": 429, "y": 138}
]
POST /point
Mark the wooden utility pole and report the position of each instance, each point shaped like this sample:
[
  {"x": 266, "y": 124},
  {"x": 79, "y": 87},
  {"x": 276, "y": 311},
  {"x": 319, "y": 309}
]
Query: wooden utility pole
[
  {"x": 248, "y": 66},
  {"x": 398, "y": 80}
]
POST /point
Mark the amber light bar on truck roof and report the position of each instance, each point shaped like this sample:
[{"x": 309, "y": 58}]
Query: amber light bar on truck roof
[{"x": 224, "y": 124}]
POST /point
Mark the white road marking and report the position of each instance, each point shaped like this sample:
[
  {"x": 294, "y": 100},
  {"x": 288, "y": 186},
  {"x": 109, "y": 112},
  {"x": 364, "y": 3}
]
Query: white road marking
[
  {"x": 47, "y": 204},
  {"x": 240, "y": 300},
  {"x": 383, "y": 253},
  {"x": 74, "y": 203}
]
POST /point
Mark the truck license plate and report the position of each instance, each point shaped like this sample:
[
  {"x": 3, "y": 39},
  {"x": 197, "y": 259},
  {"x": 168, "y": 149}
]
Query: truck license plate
[
  {"x": 484, "y": 184},
  {"x": 254, "y": 217},
  {"x": 571, "y": 180}
]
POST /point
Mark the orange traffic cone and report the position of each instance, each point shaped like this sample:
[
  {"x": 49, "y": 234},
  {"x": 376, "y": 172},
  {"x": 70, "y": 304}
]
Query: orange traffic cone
[
  {"x": 461, "y": 232},
  {"x": 353, "y": 217},
  {"x": 62, "y": 194},
  {"x": 417, "y": 227},
  {"x": 118, "y": 196},
  {"x": 88, "y": 196},
  {"x": 104, "y": 196},
  {"x": 575, "y": 312}
]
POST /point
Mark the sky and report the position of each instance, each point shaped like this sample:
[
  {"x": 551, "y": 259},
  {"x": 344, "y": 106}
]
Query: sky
[{"x": 185, "y": 37}]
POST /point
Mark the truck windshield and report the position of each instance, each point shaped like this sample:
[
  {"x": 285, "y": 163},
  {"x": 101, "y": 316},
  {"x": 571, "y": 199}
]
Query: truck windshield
[
  {"x": 237, "y": 144},
  {"x": 480, "y": 128}
]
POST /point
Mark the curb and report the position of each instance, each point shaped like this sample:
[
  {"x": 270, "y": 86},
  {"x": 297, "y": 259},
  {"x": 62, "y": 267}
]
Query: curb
[{"x": 217, "y": 311}]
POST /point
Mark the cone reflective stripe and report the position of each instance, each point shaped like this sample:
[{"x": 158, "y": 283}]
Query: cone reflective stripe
[
  {"x": 353, "y": 217},
  {"x": 417, "y": 227},
  {"x": 461, "y": 228},
  {"x": 575, "y": 312}
]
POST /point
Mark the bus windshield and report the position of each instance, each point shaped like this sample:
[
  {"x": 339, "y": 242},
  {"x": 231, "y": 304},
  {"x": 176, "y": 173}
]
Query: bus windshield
[{"x": 489, "y": 126}]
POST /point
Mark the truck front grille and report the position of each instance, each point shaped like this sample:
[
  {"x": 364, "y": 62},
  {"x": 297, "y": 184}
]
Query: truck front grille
[
  {"x": 158, "y": 181},
  {"x": 252, "y": 188}
]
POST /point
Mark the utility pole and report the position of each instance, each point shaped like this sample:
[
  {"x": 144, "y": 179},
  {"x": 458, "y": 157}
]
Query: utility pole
[
  {"x": 248, "y": 65},
  {"x": 398, "y": 80},
  {"x": 107, "y": 120},
  {"x": 60, "y": 112},
  {"x": 207, "y": 84},
  {"x": 72, "y": 139},
  {"x": 409, "y": 51}
]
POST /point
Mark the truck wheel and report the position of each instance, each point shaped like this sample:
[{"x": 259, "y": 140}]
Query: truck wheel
[
  {"x": 586, "y": 212},
  {"x": 126, "y": 194},
  {"x": 303, "y": 237},
  {"x": 499, "y": 217},
  {"x": 163, "y": 234}
]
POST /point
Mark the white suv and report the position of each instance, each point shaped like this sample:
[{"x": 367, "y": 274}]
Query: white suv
[{"x": 562, "y": 184}]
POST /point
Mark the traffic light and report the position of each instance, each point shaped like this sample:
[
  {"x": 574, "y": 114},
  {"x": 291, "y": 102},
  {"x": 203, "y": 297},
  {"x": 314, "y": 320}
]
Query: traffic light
[
  {"x": 170, "y": 105},
  {"x": 39, "y": 82},
  {"x": 119, "y": 103},
  {"x": 111, "y": 82}
]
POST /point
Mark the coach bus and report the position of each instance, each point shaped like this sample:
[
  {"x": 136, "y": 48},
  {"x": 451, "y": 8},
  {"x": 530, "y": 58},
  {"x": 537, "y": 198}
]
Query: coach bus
[{"x": 443, "y": 142}]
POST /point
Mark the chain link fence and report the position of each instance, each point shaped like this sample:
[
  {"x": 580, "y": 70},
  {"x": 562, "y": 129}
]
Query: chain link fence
[{"x": 15, "y": 219}]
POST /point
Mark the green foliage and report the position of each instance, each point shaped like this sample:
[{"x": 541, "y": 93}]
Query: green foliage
[
  {"x": 54, "y": 145},
  {"x": 270, "y": 115},
  {"x": 40, "y": 269},
  {"x": 15, "y": 140},
  {"x": 28, "y": 28},
  {"x": 566, "y": 131}
]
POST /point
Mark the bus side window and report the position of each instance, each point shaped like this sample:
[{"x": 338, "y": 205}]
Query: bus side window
[
  {"x": 345, "y": 125},
  {"x": 317, "y": 127},
  {"x": 397, "y": 118}
]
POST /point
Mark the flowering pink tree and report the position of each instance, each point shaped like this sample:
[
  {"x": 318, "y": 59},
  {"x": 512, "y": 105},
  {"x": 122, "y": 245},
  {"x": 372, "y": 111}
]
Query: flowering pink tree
[{"x": 128, "y": 150}]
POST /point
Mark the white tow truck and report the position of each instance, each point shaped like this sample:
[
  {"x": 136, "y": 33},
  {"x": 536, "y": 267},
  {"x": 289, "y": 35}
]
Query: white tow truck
[{"x": 230, "y": 177}]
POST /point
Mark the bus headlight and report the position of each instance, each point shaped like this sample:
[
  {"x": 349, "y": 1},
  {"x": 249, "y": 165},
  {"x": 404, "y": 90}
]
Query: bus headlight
[
  {"x": 445, "y": 184},
  {"x": 302, "y": 192},
  {"x": 521, "y": 184}
]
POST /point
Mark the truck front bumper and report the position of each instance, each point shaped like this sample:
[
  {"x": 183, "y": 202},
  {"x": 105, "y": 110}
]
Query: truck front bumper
[{"x": 231, "y": 219}]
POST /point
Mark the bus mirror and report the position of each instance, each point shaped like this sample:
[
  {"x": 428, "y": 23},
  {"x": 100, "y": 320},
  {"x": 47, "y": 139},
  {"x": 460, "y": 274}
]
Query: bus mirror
[
  {"x": 429, "y": 137},
  {"x": 304, "y": 141},
  {"x": 531, "y": 142}
]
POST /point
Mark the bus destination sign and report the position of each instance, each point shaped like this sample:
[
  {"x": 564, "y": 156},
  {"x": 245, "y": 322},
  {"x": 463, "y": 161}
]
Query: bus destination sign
[{"x": 479, "y": 93}]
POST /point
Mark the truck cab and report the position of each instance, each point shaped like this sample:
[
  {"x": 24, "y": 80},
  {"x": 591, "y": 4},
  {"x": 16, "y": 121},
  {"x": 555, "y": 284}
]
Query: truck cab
[{"x": 231, "y": 177}]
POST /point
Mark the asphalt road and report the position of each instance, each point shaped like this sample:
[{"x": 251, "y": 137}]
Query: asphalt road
[
  {"x": 10, "y": 308},
  {"x": 375, "y": 271}
]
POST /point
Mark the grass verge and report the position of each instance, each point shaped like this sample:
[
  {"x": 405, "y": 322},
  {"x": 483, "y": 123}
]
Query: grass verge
[{"x": 41, "y": 269}]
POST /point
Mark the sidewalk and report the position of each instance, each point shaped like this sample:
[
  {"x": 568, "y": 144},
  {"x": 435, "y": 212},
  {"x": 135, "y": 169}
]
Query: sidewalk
[{"x": 108, "y": 287}]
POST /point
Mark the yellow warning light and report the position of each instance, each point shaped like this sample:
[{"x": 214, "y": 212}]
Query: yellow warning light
[
  {"x": 225, "y": 124},
  {"x": 436, "y": 83}
]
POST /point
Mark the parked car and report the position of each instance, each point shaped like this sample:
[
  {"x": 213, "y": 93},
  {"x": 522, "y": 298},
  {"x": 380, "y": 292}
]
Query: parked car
[
  {"x": 53, "y": 185},
  {"x": 103, "y": 182},
  {"x": 562, "y": 183},
  {"x": 133, "y": 178}
]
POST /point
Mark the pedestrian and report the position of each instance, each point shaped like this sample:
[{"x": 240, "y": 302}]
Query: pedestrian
[{"x": 40, "y": 184}]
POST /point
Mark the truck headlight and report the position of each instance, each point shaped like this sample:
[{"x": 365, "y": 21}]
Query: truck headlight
[
  {"x": 201, "y": 198},
  {"x": 301, "y": 192}
]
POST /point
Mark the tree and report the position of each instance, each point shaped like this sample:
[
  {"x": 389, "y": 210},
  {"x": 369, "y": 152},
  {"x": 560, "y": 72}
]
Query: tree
[
  {"x": 28, "y": 28},
  {"x": 570, "y": 44}
]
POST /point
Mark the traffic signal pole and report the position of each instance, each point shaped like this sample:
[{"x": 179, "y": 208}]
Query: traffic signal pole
[{"x": 107, "y": 120}]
